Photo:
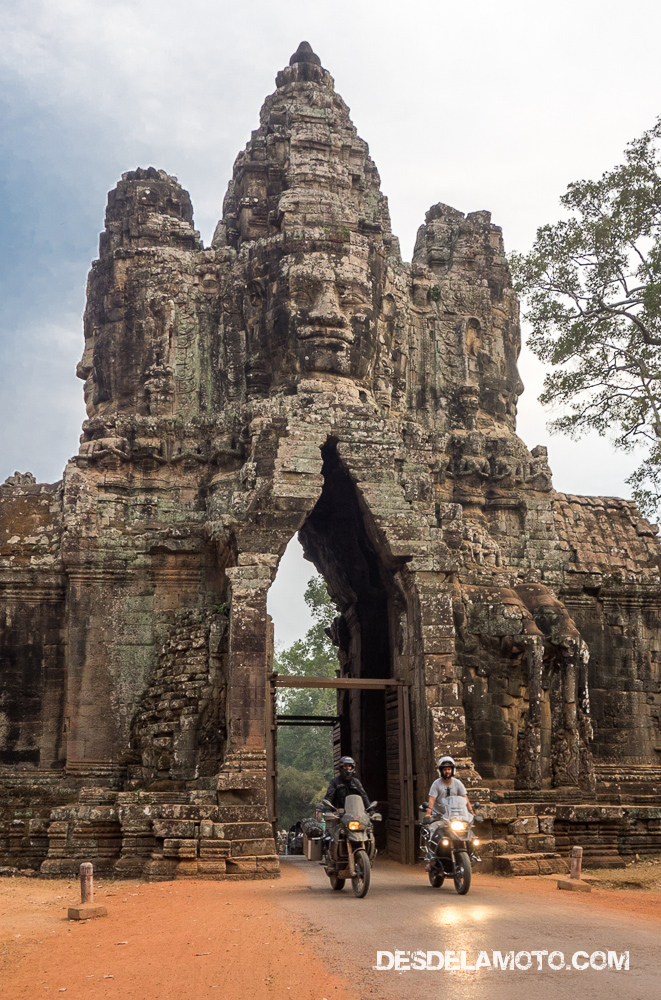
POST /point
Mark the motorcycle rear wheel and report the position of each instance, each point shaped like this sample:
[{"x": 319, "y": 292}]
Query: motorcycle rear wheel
[
  {"x": 462, "y": 875},
  {"x": 436, "y": 879},
  {"x": 360, "y": 883},
  {"x": 336, "y": 882}
]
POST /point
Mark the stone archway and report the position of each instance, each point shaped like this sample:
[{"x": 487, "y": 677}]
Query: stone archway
[{"x": 380, "y": 631}]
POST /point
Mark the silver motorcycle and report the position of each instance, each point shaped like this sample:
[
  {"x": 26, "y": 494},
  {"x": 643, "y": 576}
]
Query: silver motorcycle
[
  {"x": 349, "y": 848},
  {"x": 448, "y": 844}
]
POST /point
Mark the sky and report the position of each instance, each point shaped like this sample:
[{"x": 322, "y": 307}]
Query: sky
[{"x": 480, "y": 105}]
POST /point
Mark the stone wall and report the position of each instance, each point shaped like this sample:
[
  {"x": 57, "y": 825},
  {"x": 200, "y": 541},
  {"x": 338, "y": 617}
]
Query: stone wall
[{"x": 32, "y": 633}]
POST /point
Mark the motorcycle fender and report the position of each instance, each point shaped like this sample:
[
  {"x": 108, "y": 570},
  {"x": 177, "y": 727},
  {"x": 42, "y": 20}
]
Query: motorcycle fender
[{"x": 356, "y": 837}]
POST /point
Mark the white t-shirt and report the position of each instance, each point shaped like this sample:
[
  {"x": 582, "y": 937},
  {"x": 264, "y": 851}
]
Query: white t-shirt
[{"x": 439, "y": 791}]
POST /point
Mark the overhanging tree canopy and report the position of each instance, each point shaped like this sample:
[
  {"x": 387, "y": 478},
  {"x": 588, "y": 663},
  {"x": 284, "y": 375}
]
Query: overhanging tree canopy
[{"x": 592, "y": 284}]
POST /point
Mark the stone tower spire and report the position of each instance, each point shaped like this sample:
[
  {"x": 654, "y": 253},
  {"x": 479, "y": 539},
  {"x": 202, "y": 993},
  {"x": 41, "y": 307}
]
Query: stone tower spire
[{"x": 305, "y": 166}]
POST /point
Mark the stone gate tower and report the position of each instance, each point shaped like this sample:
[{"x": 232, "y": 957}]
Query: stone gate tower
[{"x": 297, "y": 376}]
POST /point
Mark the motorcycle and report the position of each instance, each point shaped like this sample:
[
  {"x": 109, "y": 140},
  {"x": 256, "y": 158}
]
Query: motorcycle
[
  {"x": 448, "y": 844},
  {"x": 349, "y": 847}
]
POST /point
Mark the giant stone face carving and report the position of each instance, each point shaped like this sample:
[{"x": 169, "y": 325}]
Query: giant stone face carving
[
  {"x": 316, "y": 311},
  {"x": 330, "y": 310}
]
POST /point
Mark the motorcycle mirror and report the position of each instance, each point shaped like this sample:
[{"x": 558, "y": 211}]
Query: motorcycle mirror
[
  {"x": 325, "y": 802},
  {"x": 372, "y": 804},
  {"x": 479, "y": 818},
  {"x": 476, "y": 805}
]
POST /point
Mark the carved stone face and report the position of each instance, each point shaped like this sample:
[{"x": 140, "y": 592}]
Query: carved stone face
[
  {"x": 89, "y": 368},
  {"x": 312, "y": 310},
  {"x": 84, "y": 370},
  {"x": 326, "y": 313}
]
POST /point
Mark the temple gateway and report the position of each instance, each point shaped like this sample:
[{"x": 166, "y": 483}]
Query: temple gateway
[{"x": 298, "y": 376}]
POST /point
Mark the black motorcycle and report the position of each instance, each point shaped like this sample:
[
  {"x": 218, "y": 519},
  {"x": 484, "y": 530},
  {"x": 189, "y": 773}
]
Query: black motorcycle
[
  {"x": 349, "y": 848},
  {"x": 448, "y": 845}
]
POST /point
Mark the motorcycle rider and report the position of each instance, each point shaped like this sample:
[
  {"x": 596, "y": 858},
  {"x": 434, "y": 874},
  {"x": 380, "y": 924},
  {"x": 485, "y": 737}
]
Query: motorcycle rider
[
  {"x": 446, "y": 784},
  {"x": 346, "y": 783}
]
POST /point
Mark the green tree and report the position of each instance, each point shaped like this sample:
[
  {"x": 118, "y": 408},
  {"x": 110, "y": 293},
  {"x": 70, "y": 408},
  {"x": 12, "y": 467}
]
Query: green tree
[
  {"x": 305, "y": 759},
  {"x": 592, "y": 284},
  {"x": 298, "y": 793}
]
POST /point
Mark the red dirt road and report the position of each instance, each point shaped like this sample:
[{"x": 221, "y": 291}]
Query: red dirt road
[
  {"x": 160, "y": 941},
  {"x": 254, "y": 940}
]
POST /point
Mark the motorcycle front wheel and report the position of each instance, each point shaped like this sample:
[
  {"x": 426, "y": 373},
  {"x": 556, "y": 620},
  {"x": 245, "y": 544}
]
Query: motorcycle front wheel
[
  {"x": 436, "y": 879},
  {"x": 360, "y": 883},
  {"x": 462, "y": 873},
  {"x": 336, "y": 882}
]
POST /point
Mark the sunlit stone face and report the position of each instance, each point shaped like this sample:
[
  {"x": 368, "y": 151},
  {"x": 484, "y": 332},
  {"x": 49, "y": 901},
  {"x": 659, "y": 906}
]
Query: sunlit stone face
[
  {"x": 320, "y": 307},
  {"x": 327, "y": 313}
]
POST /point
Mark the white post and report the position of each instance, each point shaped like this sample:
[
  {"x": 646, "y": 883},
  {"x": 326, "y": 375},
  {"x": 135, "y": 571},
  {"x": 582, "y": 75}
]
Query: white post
[
  {"x": 576, "y": 861},
  {"x": 86, "y": 882}
]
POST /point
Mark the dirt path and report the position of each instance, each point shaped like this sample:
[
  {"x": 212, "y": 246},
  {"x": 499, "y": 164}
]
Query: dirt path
[
  {"x": 160, "y": 941},
  {"x": 253, "y": 941}
]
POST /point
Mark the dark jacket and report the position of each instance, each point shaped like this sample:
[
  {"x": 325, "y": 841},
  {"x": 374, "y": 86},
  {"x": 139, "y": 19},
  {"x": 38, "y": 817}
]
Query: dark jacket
[{"x": 338, "y": 790}]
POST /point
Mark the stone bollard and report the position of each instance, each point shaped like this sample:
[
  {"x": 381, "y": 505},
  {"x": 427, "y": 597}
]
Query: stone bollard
[
  {"x": 87, "y": 882},
  {"x": 86, "y": 910},
  {"x": 575, "y": 883},
  {"x": 575, "y": 863}
]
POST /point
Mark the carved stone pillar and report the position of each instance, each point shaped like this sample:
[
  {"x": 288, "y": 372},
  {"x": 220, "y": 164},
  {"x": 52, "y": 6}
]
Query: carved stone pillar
[
  {"x": 529, "y": 750},
  {"x": 248, "y": 652}
]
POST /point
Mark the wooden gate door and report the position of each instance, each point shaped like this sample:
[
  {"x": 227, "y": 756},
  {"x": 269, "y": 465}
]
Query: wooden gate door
[
  {"x": 399, "y": 764},
  {"x": 272, "y": 757}
]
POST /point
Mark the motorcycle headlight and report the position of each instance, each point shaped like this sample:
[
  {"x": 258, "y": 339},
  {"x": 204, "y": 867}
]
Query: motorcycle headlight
[
  {"x": 354, "y": 825},
  {"x": 458, "y": 826}
]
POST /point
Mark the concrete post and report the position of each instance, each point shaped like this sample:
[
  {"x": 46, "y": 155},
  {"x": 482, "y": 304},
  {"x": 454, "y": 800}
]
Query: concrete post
[
  {"x": 575, "y": 883},
  {"x": 576, "y": 861},
  {"x": 86, "y": 882}
]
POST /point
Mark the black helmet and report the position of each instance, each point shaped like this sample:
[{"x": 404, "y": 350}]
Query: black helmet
[
  {"x": 347, "y": 767},
  {"x": 446, "y": 762}
]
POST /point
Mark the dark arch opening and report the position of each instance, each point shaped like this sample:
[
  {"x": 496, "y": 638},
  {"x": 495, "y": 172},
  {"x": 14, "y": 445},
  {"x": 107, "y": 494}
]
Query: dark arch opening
[{"x": 335, "y": 538}]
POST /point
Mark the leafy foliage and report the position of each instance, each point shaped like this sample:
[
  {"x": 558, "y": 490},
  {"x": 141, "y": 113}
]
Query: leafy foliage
[
  {"x": 298, "y": 794},
  {"x": 305, "y": 761},
  {"x": 593, "y": 288}
]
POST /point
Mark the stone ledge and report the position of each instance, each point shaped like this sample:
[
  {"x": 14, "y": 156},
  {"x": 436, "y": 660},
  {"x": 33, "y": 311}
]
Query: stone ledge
[{"x": 530, "y": 864}]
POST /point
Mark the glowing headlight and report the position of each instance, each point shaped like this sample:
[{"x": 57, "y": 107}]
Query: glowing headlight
[
  {"x": 445, "y": 842},
  {"x": 477, "y": 843},
  {"x": 457, "y": 825},
  {"x": 354, "y": 825}
]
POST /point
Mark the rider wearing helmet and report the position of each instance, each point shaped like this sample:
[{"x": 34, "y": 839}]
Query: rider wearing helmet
[
  {"x": 446, "y": 784},
  {"x": 346, "y": 783}
]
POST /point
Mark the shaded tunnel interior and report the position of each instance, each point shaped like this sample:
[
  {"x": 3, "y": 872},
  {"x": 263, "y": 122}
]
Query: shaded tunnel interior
[{"x": 336, "y": 540}]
